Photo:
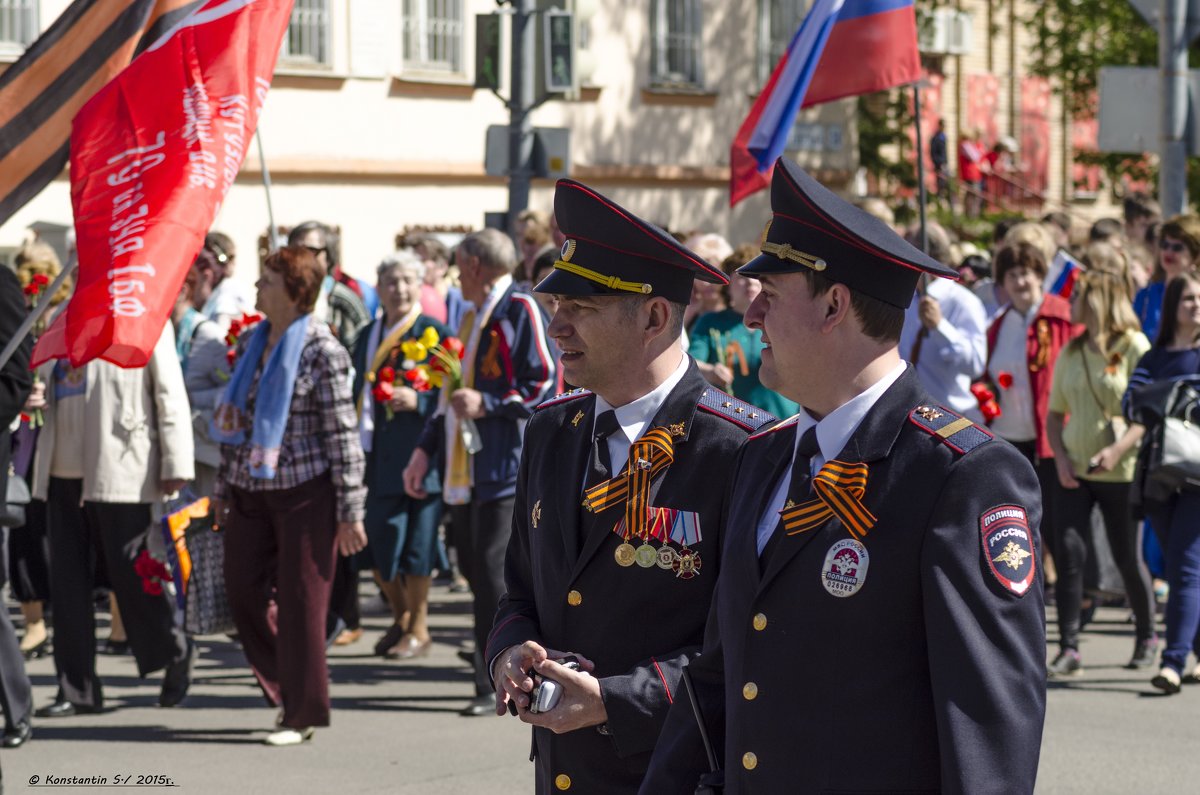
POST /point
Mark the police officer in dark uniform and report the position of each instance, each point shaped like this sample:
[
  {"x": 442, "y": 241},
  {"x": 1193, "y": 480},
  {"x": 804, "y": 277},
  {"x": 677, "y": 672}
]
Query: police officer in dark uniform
[
  {"x": 878, "y": 625},
  {"x": 616, "y": 538}
]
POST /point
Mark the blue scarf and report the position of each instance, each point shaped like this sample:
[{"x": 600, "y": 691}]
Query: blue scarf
[{"x": 274, "y": 400}]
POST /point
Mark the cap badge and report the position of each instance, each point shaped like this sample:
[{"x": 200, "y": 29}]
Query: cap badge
[{"x": 568, "y": 250}]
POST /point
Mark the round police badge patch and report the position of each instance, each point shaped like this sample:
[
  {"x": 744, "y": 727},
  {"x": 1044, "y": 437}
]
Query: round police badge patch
[
  {"x": 845, "y": 568},
  {"x": 1008, "y": 547}
]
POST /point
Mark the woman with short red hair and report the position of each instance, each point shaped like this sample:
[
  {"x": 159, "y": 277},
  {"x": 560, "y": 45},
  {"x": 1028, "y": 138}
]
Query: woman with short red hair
[{"x": 289, "y": 491}]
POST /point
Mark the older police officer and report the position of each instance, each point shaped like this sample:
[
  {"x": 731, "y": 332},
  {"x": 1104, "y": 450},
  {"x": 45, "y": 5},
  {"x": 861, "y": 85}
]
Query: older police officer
[
  {"x": 878, "y": 621},
  {"x": 620, "y": 498}
]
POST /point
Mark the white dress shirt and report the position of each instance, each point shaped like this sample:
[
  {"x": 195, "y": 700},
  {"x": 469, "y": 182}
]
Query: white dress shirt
[
  {"x": 833, "y": 433},
  {"x": 634, "y": 418},
  {"x": 955, "y": 352}
]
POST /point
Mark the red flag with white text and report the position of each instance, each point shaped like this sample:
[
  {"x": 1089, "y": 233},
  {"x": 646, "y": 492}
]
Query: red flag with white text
[{"x": 153, "y": 155}]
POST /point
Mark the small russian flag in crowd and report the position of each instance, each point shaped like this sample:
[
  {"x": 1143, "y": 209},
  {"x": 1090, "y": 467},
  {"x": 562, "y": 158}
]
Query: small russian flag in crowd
[
  {"x": 843, "y": 48},
  {"x": 1064, "y": 271}
]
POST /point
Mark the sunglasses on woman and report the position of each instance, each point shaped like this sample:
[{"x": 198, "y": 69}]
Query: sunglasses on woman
[{"x": 1172, "y": 245}]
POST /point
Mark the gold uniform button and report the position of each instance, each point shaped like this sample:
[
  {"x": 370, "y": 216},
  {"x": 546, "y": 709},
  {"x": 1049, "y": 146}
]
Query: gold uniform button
[
  {"x": 574, "y": 599},
  {"x": 750, "y": 691},
  {"x": 760, "y": 622},
  {"x": 749, "y": 760},
  {"x": 562, "y": 780}
]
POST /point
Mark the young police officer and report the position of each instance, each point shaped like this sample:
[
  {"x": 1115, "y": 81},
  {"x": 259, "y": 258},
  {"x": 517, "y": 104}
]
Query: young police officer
[
  {"x": 878, "y": 622},
  {"x": 620, "y": 497}
]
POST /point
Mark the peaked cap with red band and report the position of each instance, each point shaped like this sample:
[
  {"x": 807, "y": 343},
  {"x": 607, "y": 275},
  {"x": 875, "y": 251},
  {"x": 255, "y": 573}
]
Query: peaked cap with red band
[
  {"x": 610, "y": 251},
  {"x": 813, "y": 229}
]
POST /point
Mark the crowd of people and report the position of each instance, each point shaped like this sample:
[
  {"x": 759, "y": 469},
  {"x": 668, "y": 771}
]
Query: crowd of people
[{"x": 342, "y": 426}]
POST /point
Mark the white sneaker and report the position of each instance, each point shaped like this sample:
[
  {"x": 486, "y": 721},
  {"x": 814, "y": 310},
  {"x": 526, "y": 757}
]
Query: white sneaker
[
  {"x": 1167, "y": 680},
  {"x": 289, "y": 737}
]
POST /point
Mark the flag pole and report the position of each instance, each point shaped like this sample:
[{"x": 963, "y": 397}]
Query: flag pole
[
  {"x": 266, "y": 179},
  {"x": 922, "y": 198},
  {"x": 33, "y": 317}
]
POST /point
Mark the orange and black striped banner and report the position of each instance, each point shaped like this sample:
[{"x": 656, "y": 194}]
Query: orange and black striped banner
[
  {"x": 840, "y": 488},
  {"x": 40, "y": 94}
]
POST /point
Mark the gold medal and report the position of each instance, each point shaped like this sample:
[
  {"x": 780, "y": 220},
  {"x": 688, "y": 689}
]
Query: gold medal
[
  {"x": 666, "y": 557},
  {"x": 646, "y": 556},
  {"x": 624, "y": 554}
]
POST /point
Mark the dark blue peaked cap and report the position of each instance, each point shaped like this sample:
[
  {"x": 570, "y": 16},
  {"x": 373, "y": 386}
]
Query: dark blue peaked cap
[
  {"x": 610, "y": 251},
  {"x": 813, "y": 228}
]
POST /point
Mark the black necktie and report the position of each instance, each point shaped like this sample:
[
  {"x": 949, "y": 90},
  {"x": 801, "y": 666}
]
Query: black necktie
[
  {"x": 599, "y": 461},
  {"x": 798, "y": 488}
]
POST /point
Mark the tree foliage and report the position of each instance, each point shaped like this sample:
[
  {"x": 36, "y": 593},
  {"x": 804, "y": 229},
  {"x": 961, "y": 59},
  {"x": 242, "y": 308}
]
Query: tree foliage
[{"x": 1072, "y": 41}]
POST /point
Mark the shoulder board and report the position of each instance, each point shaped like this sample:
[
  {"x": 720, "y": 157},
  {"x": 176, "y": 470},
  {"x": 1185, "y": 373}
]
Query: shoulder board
[
  {"x": 739, "y": 412},
  {"x": 779, "y": 426},
  {"x": 956, "y": 431},
  {"x": 565, "y": 397}
]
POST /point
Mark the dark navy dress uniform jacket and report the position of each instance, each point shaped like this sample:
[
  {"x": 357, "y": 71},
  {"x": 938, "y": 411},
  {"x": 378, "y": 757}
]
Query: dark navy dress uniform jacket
[
  {"x": 931, "y": 678},
  {"x": 566, "y": 591}
]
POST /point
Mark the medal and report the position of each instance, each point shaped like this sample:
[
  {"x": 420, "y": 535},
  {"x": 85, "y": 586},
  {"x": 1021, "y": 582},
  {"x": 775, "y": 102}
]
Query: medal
[
  {"x": 687, "y": 564},
  {"x": 666, "y": 557},
  {"x": 845, "y": 568},
  {"x": 646, "y": 556},
  {"x": 624, "y": 554}
]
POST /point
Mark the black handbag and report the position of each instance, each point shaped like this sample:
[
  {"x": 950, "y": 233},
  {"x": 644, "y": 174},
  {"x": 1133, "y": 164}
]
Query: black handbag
[{"x": 16, "y": 497}]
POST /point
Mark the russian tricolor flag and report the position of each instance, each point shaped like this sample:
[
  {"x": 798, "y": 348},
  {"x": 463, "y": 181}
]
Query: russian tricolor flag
[
  {"x": 842, "y": 49},
  {"x": 1063, "y": 273}
]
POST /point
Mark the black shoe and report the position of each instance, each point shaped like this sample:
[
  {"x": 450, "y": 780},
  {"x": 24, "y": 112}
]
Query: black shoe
[
  {"x": 40, "y": 650},
  {"x": 480, "y": 705},
  {"x": 390, "y": 638},
  {"x": 1144, "y": 654},
  {"x": 16, "y": 736},
  {"x": 177, "y": 679},
  {"x": 467, "y": 656},
  {"x": 65, "y": 709},
  {"x": 115, "y": 648}
]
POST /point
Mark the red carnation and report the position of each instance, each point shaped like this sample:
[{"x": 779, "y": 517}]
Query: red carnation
[
  {"x": 1005, "y": 380},
  {"x": 41, "y": 279},
  {"x": 383, "y": 391},
  {"x": 152, "y": 587},
  {"x": 387, "y": 374}
]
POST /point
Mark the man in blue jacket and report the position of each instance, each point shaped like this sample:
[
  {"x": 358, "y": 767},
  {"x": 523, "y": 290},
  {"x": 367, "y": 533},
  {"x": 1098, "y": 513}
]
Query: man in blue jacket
[{"x": 476, "y": 433}]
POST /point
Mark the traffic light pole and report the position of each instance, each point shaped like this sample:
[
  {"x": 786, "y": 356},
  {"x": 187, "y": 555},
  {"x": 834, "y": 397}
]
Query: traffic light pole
[
  {"x": 1173, "y": 62},
  {"x": 520, "y": 106}
]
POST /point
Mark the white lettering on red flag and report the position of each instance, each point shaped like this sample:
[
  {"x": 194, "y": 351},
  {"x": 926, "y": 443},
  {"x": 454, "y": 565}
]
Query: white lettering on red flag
[{"x": 153, "y": 155}]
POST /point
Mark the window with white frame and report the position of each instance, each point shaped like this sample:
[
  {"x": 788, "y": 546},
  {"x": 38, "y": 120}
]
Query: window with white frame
[
  {"x": 676, "y": 43},
  {"x": 18, "y": 24},
  {"x": 308, "y": 36},
  {"x": 433, "y": 35},
  {"x": 778, "y": 21}
]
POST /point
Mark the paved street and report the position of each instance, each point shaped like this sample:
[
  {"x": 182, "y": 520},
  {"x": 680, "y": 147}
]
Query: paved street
[{"x": 396, "y": 729}]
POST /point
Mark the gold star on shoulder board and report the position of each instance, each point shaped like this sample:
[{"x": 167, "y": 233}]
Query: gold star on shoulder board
[
  {"x": 536, "y": 515},
  {"x": 1012, "y": 555},
  {"x": 929, "y": 413},
  {"x": 676, "y": 428},
  {"x": 790, "y": 504},
  {"x": 575, "y": 420}
]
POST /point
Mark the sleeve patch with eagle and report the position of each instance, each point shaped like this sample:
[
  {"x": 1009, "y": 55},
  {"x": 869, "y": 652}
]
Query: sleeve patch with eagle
[{"x": 1008, "y": 547}]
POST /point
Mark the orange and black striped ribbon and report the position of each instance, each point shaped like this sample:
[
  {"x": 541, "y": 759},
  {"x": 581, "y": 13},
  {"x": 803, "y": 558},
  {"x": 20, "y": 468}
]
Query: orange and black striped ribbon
[
  {"x": 840, "y": 488},
  {"x": 648, "y": 457},
  {"x": 85, "y": 48}
]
